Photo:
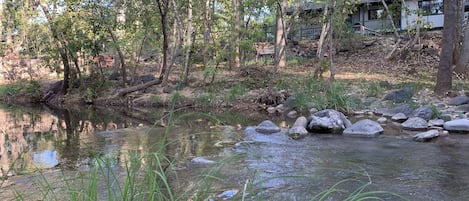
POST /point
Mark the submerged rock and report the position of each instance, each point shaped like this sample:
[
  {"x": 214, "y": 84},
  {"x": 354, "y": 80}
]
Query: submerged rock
[
  {"x": 267, "y": 127},
  {"x": 329, "y": 121},
  {"x": 298, "y": 130},
  {"x": 415, "y": 123},
  {"x": 426, "y": 136},
  {"x": 365, "y": 127},
  {"x": 228, "y": 194},
  {"x": 458, "y": 125},
  {"x": 200, "y": 162}
]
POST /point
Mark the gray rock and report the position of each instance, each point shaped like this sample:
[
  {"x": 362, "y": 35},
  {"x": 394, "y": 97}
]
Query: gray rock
[
  {"x": 271, "y": 110},
  {"x": 426, "y": 136},
  {"x": 405, "y": 109},
  {"x": 415, "y": 123},
  {"x": 228, "y": 194},
  {"x": 201, "y": 161},
  {"x": 424, "y": 112},
  {"x": 399, "y": 95},
  {"x": 436, "y": 122},
  {"x": 280, "y": 108},
  {"x": 382, "y": 120},
  {"x": 298, "y": 129},
  {"x": 462, "y": 108},
  {"x": 365, "y": 127},
  {"x": 458, "y": 125},
  {"x": 446, "y": 117},
  {"x": 459, "y": 100},
  {"x": 267, "y": 127},
  {"x": 292, "y": 114},
  {"x": 399, "y": 117},
  {"x": 329, "y": 121}
]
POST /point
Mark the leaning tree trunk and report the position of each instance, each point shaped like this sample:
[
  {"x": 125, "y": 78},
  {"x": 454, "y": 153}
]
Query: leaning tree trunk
[
  {"x": 444, "y": 77},
  {"x": 60, "y": 47}
]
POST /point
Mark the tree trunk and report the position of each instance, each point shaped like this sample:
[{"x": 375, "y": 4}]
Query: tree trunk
[
  {"x": 444, "y": 77},
  {"x": 324, "y": 33},
  {"x": 121, "y": 57},
  {"x": 281, "y": 37},
  {"x": 237, "y": 34},
  {"x": 458, "y": 31},
  {"x": 464, "y": 53},
  {"x": 60, "y": 47},
  {"x": 207, "y": 32},
  {"x": 188, "y": 43},
  {"x": 390, "y": 18},
  {"x": 163, "y": 6}
]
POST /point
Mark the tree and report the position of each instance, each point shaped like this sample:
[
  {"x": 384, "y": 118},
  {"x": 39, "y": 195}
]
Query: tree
[
  {"x": 444, "y": 76},
  {"x": 60, "y": 46},
  {"x": 463, "y": 58},
  {"x": 281, "y": 36}
]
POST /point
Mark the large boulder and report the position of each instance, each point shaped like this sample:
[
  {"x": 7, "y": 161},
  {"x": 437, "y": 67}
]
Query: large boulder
[
  {"x": 458, "y": 125},
  {"x": 389, "y": 112},
  {"x": 399, "y": 95},
  {"x": 298, "y": 130},
  {"x": 459, "y": 100},
  {"x": 364, "y": 127},
  {"x": 424, "y": 112},
  {"x": 328, "y": 121},
  {"x": 267, "y": 127},
  {"x": 415, "y": 123},
  {"x": 426, "y": 136}
]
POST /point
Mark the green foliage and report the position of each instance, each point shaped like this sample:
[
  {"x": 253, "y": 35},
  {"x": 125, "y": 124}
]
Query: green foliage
[
  {"x": 235, "y": 91},
  {"x": 24, "y": 88}
]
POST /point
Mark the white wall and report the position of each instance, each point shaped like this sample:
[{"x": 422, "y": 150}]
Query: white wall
[{"x": 409, "y": 20}]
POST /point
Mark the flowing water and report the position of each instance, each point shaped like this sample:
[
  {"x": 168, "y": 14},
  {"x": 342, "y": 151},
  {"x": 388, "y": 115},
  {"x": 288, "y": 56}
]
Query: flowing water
[{"x": 262, "y": 167}]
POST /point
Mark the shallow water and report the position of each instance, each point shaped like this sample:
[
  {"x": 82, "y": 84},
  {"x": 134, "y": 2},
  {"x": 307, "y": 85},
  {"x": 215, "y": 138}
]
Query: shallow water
[{"x": 263, "y": 167}]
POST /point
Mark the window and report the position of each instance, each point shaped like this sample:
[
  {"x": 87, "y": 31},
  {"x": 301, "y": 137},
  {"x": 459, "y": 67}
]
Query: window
[
  {"x": 375, "y": 14},
  {"x": 431, "y": 7}
]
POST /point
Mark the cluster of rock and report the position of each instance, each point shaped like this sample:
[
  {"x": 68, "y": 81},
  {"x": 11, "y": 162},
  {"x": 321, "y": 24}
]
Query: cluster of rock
[{"x": 452, "y": 117}]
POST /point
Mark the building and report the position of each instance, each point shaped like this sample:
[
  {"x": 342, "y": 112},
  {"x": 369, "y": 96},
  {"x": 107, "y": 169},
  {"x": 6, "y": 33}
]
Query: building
[{"x": 370, "y": 17}]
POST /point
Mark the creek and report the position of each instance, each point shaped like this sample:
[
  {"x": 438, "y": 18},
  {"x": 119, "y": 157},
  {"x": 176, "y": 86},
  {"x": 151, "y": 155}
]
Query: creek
[{"x": 265, "y": 167}]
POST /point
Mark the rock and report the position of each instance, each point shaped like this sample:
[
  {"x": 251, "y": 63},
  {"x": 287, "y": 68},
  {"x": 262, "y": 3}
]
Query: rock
[
  {"x": 365, "y": 127},
  {"x": 424, "y": 112},
  {"x": 399, "y": 117},
  {"x": 280, "y": 108},
  {"x": 313, "y": 110},
  {"x": 462, "y": 108},
  {"x": 382, "y": 120},
  {"x": 405, "y": 109},
  {"x": 399, "y": 95},
  {"x": 436, "y": 122},
  {"x": 271, "y": 110},
  {"x": 446, "y": 117},
  {"x": 200, "y": 162},
  {"x": 267, "y": 127},
  {"x": 329, "y": 121},
  {"x": 298, "y": 129},
  {"x": 292, "y": 114},
  {"x": 228, "y": 194},
  {"x": 426, "y": 136},
  {"x": 459, "y": 100},
  {"x": 369, "y": 101},
  {"x": 458, "y": 125},
  {"x": 415, "y": 123}
]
